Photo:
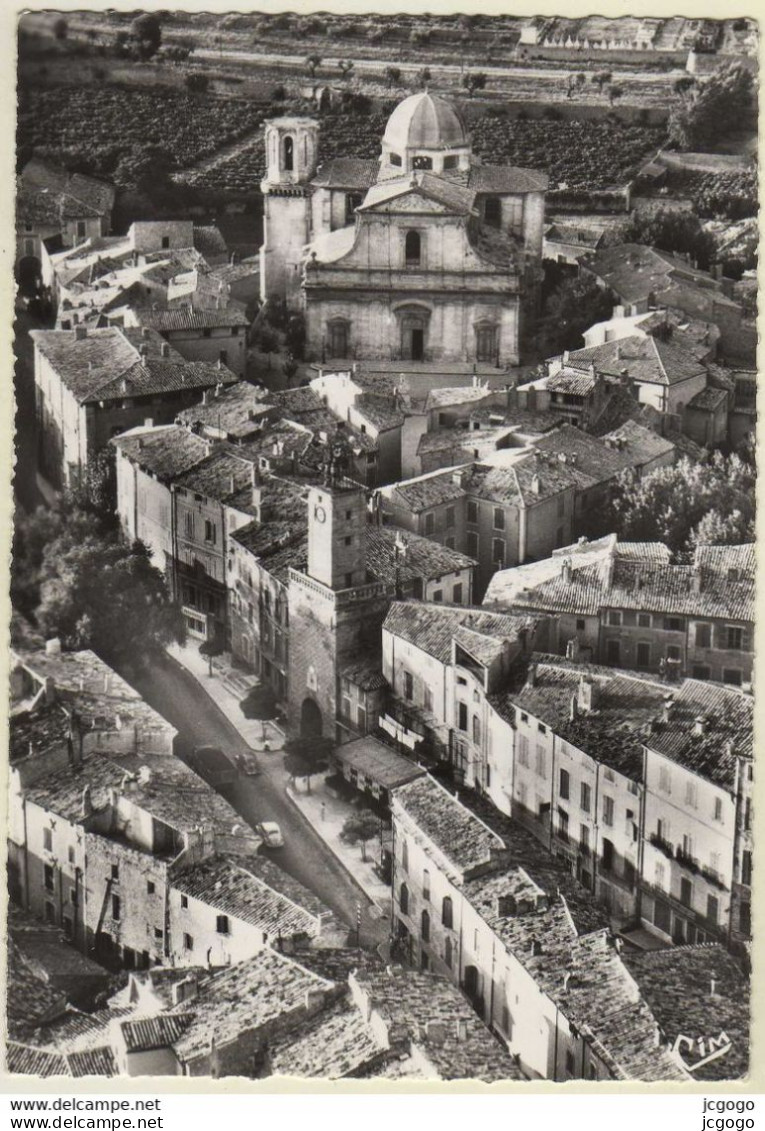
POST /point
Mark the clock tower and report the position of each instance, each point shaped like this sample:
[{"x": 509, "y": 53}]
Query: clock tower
[{"x": 335, "y": 612}]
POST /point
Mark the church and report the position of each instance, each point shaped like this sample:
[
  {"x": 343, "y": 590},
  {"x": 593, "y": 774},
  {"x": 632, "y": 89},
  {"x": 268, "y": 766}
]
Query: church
[{"x": 423, "y": 255}]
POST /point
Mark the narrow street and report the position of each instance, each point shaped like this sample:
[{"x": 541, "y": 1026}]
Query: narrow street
[{"x": 177, "y": 696}]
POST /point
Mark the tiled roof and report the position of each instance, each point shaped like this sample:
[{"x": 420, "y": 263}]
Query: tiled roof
[
  {"x": 633, "y": 271},
  {"x": 76, "y": 195},
  {"x": 234, "y": 890},
  {"x": 648, "y": 360},
  {"x": 30, "y": 1000},
  {"x": 641, "y": 444},
  {"x": 670, "y": 589},
  {"x": 166, "y": 451},
  {"x": 208, "y": 240},
  {"x": 454, "y": 197},
  {"x": 428, "y": 491},
  {"x": 222, "y": 474},
  {"x": 380, "y": 411},
  {"x": 587, "y": 456},
  {"x": 431, "y": 626},
  {"x": 23, "y": 1060},
  {"x": 572, "y": 381},
  {"x": 243, "y": 998},
  {"x": 188, "y": 318},
  {"x": 237, "y": 410},
  {"x": 528, "y": 481},
  {"x": 93, "y": 1062},
  {"x": 347, "y": 173},
  {"x": 338, "y": 1042},
  {"x": 708, "y": 400},
  {"x": 569, "y": 233},
  {"x": 728, "y": 719},
  {"x": 422, "y": 558},
  {"x": 461, "y": 394},
  {"x": 377, "y": 761},
  {"x": 506, "y": 179},
  {"x": 614, "y": 731},
  {"x": 77, "y": 1031},
  {"x": 410, "y": 1002},
  {"x": 365, "y": 672},
  {"x": 677, "y": 985},
  {"x": 147, "y": 1033},
  {"x": 107, "y": 363},
  {"x": 459, "y": 836}
]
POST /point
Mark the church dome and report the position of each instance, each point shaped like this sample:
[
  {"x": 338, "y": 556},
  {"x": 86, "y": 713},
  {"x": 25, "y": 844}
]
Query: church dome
[{"x": 424, "y": 121}]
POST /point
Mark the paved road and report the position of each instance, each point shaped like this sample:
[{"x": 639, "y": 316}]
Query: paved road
[{"x": 172, "y": 691}]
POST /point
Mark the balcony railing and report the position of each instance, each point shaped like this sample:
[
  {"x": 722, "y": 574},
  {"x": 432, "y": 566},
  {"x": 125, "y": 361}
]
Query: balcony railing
[{"x": 662, "y": 845}]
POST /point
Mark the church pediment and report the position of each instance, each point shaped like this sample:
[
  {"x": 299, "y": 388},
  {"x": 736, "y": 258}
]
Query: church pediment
[{"x": 410, "y": 202}]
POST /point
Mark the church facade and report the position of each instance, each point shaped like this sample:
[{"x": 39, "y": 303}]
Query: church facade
[{"x": 424, "y": 255}]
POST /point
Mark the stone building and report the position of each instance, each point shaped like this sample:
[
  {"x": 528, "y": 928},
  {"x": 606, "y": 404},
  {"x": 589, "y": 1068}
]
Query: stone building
[
  {"x": 430, "y": 256},
  {"x": 217, "y": 335},
  {"x": 627, "y": 605},
  {"x": 91, "y": 385}
]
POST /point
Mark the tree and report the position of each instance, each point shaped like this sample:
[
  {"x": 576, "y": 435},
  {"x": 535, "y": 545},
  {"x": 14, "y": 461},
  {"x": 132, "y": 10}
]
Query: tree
[
  {"x": 571, "y": 309},
  {"x": 345, "y": 66},
  {"x": 360, "y": 828},
  {"x": 473, "y": 81},
  {"x": 615, "y": 92},
  {"x": 312, "y": 62},
  {"x": 673, "y": 231},
  {"x": 60, "y": 28},
  {"x": 259, "y": 703},
  {"x": 210, "y": 648},
  {"x": 393, "y": 75},
  {"x": 714, "y": 108},
  {"x": 146, "y": 31},
  {"x": 682, "y": 85},
  {"x": 686, "y": 505},
  {"x": 421, "y": 79},
  {"x": 306, "y": 756},
  {"x": 601, "y": 79},
  {"x": 575, "y": 83},
  {"x": 103, "y": 593}
]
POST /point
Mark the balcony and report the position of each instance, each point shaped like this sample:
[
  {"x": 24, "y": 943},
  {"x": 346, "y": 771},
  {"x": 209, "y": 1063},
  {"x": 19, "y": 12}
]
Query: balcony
[
  {"x": 662, "y": 845},
  {"x": 690, "y": 863}
]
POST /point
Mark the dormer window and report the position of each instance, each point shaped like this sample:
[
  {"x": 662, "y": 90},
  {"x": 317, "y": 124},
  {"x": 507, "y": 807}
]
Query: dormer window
[{"x": 412, "y": 249}]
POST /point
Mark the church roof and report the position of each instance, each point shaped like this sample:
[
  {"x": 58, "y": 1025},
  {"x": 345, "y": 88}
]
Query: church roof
[
  {"x": 453, "y": 197},
  {"x": 347, "y": 173},
  {"x": 424, "y": 121}
]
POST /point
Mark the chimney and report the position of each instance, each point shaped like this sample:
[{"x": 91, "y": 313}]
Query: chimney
[
  {"x": 140, "y": 443},
  {"x": 164, "y": 349},
  {"x": 255, "y": 475},
  {"x": 699, "y": 726},
  {"x": 53, "y": 646},
  {"x": 504, "y": 905},
  {"x": 219, "y": 364},
  {"x": 185, "y": 990},
  {"x": 231, "y": 485},
  {"x": 145, "y": 333},
  {"x": 50, "y": 690},
  {"x": 536, "y": 485},
  {"x": 618, "y": 352},
  {"x": 573, "y": 708},
  {"x": 565, "y": 357},
  {"x": 531, "y": 678},
  {"x": 86, "y": 807},
  {"x": 713, "y": 985},
  {"x": 697, "y": 582},
  {"x": 565, "y": 573},
  {"x": 107, "y": 683},
  {"x": 586, "y": 695},
  {"x": 144, "y": 349},
  {"x": 668, "y": 709},
  {"x": 573, "y": 649},
  {"x": 461, "y": 1029},
  {"x": 80, "y": 332},
  {"x": 313, "y": 999},
  {"x": 536, "y": 948},
  {"x": 566, "y": 980}
]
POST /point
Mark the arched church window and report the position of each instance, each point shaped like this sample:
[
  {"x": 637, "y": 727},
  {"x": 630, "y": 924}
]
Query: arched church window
[
  {"x": 289, "y": 154},
  {"x": 412, "y": 249},
  {"x": 493, "y": 211}
]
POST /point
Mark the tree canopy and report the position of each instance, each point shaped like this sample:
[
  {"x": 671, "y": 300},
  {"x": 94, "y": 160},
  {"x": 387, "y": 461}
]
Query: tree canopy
[
  {"x": 688, "y": 505},
  {"x": 360, "y": 828},
  {"x": 574, "y": 306},
  {"x": 259, "y": 703},
  {"x": 671, "y": 231},
  {"x": 306, "y": 756},
  {"x": 712, "y": 108},
  {"x": 146, "y": 30}
]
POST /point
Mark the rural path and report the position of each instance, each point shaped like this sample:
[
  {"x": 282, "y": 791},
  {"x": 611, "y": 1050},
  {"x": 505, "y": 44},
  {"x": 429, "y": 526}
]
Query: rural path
[{"x": 193, "y": 172}]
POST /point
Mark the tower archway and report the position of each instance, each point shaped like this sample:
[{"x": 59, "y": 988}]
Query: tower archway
[{"x": 311, "y": 722}]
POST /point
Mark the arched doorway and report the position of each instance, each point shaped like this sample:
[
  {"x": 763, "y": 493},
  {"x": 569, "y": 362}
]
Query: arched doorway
[{"x": 311, "y": 723}]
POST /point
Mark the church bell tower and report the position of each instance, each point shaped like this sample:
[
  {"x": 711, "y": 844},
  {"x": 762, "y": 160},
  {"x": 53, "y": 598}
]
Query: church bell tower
[{"x": 292, "y": 147}]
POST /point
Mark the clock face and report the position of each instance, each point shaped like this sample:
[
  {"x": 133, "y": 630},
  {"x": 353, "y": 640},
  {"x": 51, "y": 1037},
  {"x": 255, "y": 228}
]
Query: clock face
[{"x": 319, "y": 514}]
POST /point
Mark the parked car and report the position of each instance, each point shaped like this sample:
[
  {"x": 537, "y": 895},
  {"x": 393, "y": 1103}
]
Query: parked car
[
  {"x": 213, "y": 764},
  {"x": 272, "y": 834}
]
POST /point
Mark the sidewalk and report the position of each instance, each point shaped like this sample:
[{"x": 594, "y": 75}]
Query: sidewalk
[
  {"x": 327, "y": 815},
  {"x": 227, "y": 686}
]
